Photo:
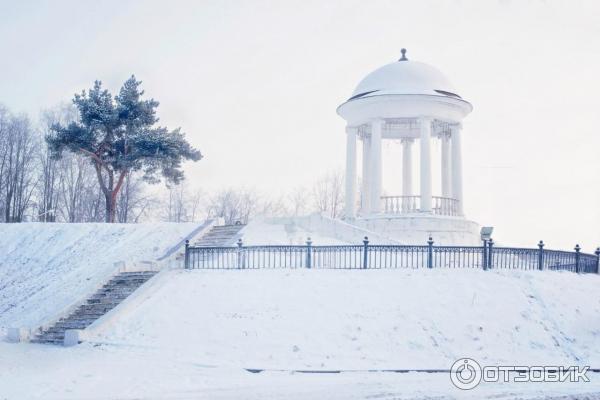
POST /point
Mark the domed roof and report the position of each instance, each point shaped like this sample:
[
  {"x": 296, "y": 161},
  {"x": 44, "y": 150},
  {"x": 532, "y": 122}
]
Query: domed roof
[{"x": 404, "y": 77}]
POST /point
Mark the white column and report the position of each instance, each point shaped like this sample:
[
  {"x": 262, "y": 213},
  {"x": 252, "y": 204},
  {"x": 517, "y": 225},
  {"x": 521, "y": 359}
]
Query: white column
[
  {"x": 446, "y": 189},
  {"x": 350, "y": 172},
  {"x": 407, "y": 189},
  {"x": 365, "y": 200},
  {"x": 425, "y": 172},
  {"x": 376, "y": 128},
  {"x": 457, "y": 186}
]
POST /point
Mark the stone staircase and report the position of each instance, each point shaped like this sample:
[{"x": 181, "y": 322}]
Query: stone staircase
[
  {"x": 105, "y": 299},
  {"x": 223, "y": 235},
  {"x": 120, "y": 287}
]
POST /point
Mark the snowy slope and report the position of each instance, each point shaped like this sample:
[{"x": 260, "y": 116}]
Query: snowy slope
[
  {"x": 365, "y": 319},
  {"x": 46, "y": 267}
]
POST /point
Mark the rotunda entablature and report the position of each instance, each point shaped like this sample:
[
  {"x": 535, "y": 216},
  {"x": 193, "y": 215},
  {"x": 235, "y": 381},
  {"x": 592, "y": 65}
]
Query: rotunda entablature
[{"x": 360, "y": 111}]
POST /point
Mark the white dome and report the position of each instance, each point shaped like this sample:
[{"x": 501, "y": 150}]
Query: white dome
[{"x": 405, "y": 77}]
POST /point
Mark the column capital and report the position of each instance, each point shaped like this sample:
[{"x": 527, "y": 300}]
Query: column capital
[{"x": 407, "y": 140}]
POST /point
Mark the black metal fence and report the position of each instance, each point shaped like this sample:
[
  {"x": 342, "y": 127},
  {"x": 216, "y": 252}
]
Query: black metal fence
[{"x": 368, "y": 256}]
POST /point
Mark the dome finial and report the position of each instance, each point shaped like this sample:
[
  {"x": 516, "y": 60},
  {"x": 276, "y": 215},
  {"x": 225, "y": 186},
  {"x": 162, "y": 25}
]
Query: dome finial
[{"x": 403, "y": 58}]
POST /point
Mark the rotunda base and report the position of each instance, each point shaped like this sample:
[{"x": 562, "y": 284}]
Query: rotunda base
[{"x": 415, "y": 229}]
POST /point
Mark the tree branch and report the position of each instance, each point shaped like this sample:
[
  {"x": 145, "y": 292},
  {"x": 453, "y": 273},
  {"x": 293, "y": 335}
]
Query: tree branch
[{"x": 92, "y": 154}]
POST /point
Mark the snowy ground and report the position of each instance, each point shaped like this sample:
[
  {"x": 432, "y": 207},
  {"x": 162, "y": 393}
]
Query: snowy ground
[
  {"x": 130, "y": 372},
  {"x": 44, "y": 268},
  {"x": 194, "y": 332}
]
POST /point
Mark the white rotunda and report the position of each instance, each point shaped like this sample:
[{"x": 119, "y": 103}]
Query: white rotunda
[{"x": 412, "y": 103}]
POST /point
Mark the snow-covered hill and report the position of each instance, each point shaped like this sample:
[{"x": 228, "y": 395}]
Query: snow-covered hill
[
  {"x": 191, "y": 334},
  {"x": 365, "y": 319},
  {"x": 45, "y": 268}
]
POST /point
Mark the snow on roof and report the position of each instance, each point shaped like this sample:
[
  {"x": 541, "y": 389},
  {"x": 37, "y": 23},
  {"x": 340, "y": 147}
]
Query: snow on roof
[{"x": 405, "y": 77}]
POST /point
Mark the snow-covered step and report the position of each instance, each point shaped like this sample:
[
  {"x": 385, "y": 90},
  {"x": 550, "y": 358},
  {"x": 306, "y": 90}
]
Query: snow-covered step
[
  {"x": 105, "y": 299},
  {"x": 220, "y": 236}
]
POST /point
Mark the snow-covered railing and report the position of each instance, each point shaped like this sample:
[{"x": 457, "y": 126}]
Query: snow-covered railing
[
  {"x": 368, "y": 256},
  {"x": 411, "y": 204}
]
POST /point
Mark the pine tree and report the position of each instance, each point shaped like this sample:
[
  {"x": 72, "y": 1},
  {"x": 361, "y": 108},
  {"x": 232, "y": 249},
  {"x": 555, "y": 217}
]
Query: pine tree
[{"x": 120, "y": 135}]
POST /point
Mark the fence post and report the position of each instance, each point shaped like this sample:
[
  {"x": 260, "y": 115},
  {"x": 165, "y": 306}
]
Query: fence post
[
  {"x": 430, "y": 252},
  {"x": 541, "y": 255},
  {"x": 490, "y": 261},
  {"x": 597, "y": 253},
  {"x": 186, "y": 258},
  {"x": 308, "y": 253},
  {"x": 485, "y": 257},
  {"x": 365, "y": 252},
  {"x": 240, "y": 261},
  {"x": 577, "y": 255}
]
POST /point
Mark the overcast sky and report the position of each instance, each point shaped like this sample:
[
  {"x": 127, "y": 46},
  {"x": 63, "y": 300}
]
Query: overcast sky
[{"x": 255, "y": 85}]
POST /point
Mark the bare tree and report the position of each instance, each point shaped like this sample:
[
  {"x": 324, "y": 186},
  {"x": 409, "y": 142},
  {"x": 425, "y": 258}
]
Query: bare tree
[
  {"x": 233, "y": 205},
  {"x": 50, "y": 173},
  {"x": 18, "y": 145},
  {"x": 328, "y": 195},
  {"x": 133, "y": 202},
  {"x": 77, "y": 190},
  {"x": 48, "y": 194},
  {"x": 196, "y": 205},
  {"x": 176, "y": 211},
  {"x": 299, "y": 201},
  {"x": 5, "y": 126},
  {"x": 276, "y": 207},
  {"x": 182, "y": 206},
  {"x": 92, "y": 204}
]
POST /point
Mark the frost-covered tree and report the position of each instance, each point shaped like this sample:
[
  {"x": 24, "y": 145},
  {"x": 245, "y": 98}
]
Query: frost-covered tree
[{"x": 119, "y": 135}]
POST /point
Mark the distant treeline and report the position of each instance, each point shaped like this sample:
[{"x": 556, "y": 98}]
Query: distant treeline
[{"x": 36, "y": 187}]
